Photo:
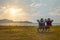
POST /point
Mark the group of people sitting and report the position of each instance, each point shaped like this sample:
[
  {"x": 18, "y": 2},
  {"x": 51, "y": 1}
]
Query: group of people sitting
[{"x": 44, "y": 24}]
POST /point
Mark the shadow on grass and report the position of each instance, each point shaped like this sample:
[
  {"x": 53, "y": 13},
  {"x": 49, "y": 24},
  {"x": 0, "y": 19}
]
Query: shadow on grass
[{"x": 46, "y": 33}]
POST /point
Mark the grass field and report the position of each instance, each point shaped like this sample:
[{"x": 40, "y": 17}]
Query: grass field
[{"x": 28, "y": 33}]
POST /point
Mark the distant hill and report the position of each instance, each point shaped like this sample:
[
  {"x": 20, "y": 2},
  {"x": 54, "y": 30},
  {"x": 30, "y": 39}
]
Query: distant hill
[
  {"x": 5, "y": 21},
  {"x": 23, "y": 22},
  {"x": 11, "y": 21}
]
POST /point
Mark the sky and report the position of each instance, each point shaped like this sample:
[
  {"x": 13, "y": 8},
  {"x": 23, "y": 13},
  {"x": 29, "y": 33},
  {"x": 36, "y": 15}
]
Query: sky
[{"x": 30, "y": 10}]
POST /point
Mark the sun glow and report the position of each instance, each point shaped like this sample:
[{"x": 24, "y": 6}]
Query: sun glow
[{"x": 13, "y": 11}]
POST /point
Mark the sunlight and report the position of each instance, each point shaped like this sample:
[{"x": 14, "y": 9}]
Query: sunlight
[{"x": 12, "y": 11}]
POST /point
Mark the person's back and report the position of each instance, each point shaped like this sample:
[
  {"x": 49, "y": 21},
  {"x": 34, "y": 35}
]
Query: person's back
[
  {"x": 48, "y": 23},
  {"x": 41, "y": 24}
]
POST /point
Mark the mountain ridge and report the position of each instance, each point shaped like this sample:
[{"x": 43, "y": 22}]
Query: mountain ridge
[{"x": 11, "y": 21}]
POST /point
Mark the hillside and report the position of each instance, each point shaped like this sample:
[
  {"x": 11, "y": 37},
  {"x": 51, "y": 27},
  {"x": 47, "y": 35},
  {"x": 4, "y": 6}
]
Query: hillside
[
  {"x": 28, "y": 33},
  {"x": 11, "y": 21}
]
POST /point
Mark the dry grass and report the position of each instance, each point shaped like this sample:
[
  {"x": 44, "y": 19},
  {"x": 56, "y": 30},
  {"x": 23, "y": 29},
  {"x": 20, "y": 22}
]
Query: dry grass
[{"x": 28, "y": 33}]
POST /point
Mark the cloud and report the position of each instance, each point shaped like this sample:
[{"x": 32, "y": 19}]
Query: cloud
[
  {"x": 32, "y": 9},
  {"x": 37, "y": 5},
  {"x": 55, "y": 12}
]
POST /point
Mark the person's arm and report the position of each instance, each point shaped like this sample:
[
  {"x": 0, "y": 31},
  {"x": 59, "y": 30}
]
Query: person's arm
[
  {"x": 37, "y": 20},
  {"x": 52, "y": 20}
]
